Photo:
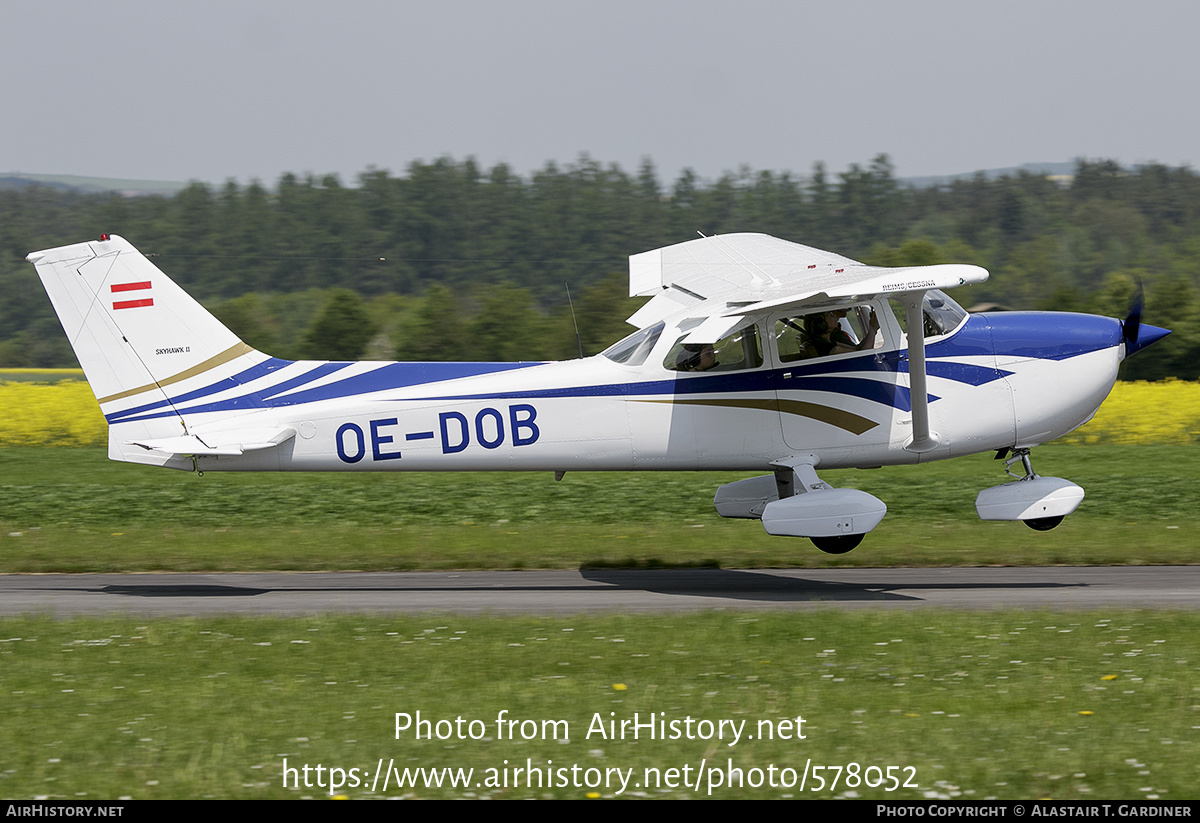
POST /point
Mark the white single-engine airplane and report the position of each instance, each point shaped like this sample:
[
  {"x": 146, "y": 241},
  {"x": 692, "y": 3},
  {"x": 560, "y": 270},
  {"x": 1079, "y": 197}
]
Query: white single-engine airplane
[{"x": 753, "y": 354}]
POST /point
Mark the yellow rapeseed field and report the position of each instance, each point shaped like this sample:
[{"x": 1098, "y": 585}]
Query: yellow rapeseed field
[
  {"x": 1140, "y": 414},
  {"x": 45, "y": 414},
  {"x": 66, "y": 414}
]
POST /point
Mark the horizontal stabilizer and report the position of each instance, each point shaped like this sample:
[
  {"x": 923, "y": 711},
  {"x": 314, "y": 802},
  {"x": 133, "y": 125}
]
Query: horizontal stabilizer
[{"x": 229, "y": 443}]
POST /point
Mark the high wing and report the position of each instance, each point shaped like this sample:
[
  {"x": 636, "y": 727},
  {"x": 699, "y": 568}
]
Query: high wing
[{"x": 727, "y": 277}]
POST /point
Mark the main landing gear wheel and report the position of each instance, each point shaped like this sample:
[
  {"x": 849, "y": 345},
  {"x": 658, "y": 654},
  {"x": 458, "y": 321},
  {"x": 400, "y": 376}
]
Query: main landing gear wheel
[
  {"x": 1043, "y": 524},
  {"x": 840, "y": 544}
]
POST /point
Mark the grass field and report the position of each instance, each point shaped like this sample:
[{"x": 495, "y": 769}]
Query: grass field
[{"x": 1090, "y": 706}]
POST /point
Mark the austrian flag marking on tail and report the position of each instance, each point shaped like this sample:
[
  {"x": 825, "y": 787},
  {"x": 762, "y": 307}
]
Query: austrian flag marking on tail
[{"x": 132, "y": 304}]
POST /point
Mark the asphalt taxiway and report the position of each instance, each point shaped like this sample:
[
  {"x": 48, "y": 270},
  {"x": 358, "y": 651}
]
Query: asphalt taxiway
[{"x": 600, "y": 590}]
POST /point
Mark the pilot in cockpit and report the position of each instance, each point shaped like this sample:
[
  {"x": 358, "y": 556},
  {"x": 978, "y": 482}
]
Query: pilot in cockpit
[
  {"x": 696, "y": 357},
  {"x": 823, "y": 334}
]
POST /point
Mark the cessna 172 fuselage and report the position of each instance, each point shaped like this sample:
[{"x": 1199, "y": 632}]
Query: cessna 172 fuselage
[{"x": 754, "y": 354}]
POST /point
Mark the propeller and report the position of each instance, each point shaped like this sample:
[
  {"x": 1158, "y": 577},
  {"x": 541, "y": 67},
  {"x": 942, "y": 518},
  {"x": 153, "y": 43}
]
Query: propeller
[
  {"x": 1133, "y": 320},
  {"x": 1137, "y": 335}
]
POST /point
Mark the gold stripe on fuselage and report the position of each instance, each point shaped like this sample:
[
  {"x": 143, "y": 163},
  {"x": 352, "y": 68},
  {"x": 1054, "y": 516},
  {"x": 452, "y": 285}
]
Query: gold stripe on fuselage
[
  {"x": 234, "y": 351},
  {"x": 842, "y": 419}
]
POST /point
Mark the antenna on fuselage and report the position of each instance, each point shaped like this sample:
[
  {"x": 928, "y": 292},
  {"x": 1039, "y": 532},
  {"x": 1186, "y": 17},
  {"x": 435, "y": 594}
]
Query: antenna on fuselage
[{"x": 571, "y": 303}]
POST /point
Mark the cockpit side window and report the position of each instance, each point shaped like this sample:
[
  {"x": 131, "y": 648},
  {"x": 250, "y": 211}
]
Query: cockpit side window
[
  {"x": 740, "y": 350},
  {"x": 827, "y": 332}
]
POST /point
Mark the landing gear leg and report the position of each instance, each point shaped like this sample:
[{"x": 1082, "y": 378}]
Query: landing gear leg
[{"x": 1023, "y": 456}]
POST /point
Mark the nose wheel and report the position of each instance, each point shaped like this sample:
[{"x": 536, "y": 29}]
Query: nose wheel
[
  {"x": 1043, "y": 524},
  {"x": 1040, "y": 503}
]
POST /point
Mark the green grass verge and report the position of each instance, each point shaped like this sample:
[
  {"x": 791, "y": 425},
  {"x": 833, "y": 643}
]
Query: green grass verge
[
  {"x": 73, "y": 510},
  {"x": 1012, "y": 705}
]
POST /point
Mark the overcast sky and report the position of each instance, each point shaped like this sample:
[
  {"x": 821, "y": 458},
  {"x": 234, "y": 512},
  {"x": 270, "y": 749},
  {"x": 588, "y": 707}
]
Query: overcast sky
[{"x": 214, "y": 90}]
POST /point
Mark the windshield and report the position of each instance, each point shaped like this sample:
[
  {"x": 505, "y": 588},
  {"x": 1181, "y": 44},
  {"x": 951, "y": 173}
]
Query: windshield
[
  {"x": 942, "y": 315},
  {"x": 632, "y": 350}
]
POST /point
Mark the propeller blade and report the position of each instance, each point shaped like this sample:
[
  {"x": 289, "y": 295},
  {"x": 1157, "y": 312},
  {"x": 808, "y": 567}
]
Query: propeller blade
[{"x": 1133, "y": 320}]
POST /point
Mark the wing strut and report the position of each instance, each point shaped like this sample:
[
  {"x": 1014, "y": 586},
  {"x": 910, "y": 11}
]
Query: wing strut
[{"x": 923, "y": 439}]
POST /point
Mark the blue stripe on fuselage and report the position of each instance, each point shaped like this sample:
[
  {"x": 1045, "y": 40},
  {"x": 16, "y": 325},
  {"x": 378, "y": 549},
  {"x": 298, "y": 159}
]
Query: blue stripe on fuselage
[
  {"x": 395, "y": 376},
  {"x": 225, "y": 384},
  {"x": 388, "y": 376}
]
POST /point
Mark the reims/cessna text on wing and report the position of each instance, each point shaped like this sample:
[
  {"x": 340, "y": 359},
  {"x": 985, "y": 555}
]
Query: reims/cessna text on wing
[{"x": 754, "y": 354}]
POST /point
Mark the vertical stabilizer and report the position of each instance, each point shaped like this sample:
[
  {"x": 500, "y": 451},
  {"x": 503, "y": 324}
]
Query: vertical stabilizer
[{"x": 140, "y": 339}]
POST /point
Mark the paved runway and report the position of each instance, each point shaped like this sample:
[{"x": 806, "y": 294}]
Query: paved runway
[{"x": 600, "y": 590}]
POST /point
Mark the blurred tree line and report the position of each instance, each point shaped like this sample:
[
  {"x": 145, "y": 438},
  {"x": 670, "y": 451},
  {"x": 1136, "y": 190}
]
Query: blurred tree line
[{"x": 450, "y": 261}]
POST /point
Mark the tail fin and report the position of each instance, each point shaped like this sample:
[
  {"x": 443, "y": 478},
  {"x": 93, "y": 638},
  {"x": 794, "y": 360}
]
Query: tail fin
[{"x": 135, "y": 334}]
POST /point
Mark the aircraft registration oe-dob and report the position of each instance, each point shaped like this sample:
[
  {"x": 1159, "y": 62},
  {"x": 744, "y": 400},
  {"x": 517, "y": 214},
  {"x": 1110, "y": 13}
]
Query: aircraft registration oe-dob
[{"x": 753, "y": 353}]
